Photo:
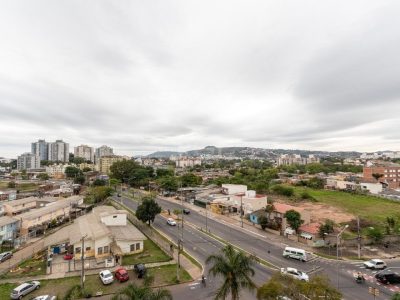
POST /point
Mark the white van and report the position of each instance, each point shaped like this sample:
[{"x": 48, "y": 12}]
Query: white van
[{"x": 296, "y": 253}]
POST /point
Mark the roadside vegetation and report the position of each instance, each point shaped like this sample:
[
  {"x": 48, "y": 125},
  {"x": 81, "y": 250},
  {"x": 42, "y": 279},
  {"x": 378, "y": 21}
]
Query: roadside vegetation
[{"x": 151, "y": 254}]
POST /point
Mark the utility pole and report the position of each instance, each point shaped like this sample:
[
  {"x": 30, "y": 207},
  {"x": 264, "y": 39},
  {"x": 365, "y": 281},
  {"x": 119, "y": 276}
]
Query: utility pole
[
  {"x": 179, "y": 259},
  {"x": 206, "y": 218},
  {"x": 358, "y": 238},
  {"x": 337, "y": 252},
  {"x": 83, "y": 262}
]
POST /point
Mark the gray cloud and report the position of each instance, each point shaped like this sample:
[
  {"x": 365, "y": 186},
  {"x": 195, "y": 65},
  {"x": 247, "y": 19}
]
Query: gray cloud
[{"x": 180, "y": 75}]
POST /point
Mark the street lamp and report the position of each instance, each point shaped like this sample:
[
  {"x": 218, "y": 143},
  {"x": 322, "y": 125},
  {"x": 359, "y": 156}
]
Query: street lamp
[{"x": 337, "y": 251}]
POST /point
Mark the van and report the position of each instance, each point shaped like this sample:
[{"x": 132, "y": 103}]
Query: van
[{"x": 296, "y": 253}]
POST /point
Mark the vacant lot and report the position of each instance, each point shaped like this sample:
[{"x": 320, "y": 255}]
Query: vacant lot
[
  {"x": 152, "y": 253},
  {"x": 31, "y": 267},
  {"x": 346, "y": 205},
  {"x": 164, "y": 275}
]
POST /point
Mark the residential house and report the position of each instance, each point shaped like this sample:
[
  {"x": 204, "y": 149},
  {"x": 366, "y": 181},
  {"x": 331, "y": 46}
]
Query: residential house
[
  {"x": 107, "y": 232},
  {"x": 38, "y": 219},
  {"x": 16, "y": 207},
  {"x": 9, "y": 227},
  {"x": 8, "y": 195},
  {"x": 233, "y": 189},
  {"x": 390, "y": 173},
  {"x": 278, "y": 215},
  {"x": 373, "y": 188},
  {"x": 309, "y": 234}
]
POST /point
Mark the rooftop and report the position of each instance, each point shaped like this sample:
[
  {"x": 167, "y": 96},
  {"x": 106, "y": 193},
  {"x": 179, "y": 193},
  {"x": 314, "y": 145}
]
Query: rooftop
[
  {"x": 283, "y": 208},
  {"x": 312, "y": 228},
  {"x": 7, "y": 220}
]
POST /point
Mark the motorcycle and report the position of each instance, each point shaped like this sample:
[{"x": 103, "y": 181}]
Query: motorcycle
[{"x": 360, "y": 279}]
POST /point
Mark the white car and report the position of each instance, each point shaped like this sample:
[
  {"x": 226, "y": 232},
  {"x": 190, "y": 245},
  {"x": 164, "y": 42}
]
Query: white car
[
  {"x": 45, "y": 297},
  {"x": 171, "y": 222},
  {"x": 295, "y": 273},
  {"x": 24, "y": 289},
  {"x": 375, "y": 264},
  {"x": 106, "y": 277}
]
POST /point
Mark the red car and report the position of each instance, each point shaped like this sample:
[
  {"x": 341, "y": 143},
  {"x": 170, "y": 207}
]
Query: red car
[
  {"x": 68, "y": 256},
  {"x": 121, "y": 274}
]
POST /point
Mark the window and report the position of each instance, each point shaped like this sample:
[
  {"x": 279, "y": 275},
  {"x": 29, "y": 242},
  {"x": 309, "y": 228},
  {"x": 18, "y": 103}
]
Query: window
[
  {"x": 105, "y": 249},
  {"x": 87, "y": 248},
  {"x": 132, "y": 247},
  {"x": 100, "y": 250},
  {"x": 78, "y": 250},
  {"x": 114, "y": 217},
  {"x": 137, "y": 246}
]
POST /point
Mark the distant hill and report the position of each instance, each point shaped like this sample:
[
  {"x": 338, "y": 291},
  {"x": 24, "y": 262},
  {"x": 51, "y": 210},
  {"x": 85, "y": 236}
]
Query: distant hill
[{"x": 252, "y": 152}]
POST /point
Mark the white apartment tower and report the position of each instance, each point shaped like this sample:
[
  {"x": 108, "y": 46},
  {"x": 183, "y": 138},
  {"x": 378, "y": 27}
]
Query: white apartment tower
[
  {"x": 85, "y": 152},
  {"x": 28, "y": 161},
  {"x": 59, "y": 151}
]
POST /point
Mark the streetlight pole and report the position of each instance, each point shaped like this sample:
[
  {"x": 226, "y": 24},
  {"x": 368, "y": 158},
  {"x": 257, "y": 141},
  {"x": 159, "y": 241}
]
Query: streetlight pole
[
  {"x": 337, "y": 252},
  {"x": 206, "y": 218}
]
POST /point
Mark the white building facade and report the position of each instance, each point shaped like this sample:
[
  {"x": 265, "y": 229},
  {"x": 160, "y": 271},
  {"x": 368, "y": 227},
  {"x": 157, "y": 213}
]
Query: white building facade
[{"x": 28, "y": 161}]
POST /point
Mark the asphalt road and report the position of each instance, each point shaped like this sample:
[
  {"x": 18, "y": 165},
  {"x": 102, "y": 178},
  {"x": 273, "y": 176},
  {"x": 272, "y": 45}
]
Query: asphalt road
[{"x": 200, "y": 245}]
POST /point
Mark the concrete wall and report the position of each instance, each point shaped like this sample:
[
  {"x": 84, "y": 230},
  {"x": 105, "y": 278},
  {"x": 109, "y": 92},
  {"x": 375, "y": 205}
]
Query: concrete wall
[{"x": 126, "y": 246}]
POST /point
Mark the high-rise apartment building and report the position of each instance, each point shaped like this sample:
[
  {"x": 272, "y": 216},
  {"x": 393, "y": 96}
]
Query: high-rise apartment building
[
  {"x": 58, "y": 151},
  {"x": 85, "y": 152},
  {"x": 106, "y": 162},
  {"x": 28, "y": 161},
  {"x": 103, "y": 151},
  {"x": 40, "y": 148}
]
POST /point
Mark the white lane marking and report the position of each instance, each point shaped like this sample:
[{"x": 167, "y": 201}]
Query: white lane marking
[{"x": 244, "y": 229}]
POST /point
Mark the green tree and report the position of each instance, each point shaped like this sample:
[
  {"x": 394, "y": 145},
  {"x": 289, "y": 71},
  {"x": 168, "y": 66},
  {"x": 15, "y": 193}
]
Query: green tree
[
  {"x": 316, "y": 183},
  {"x": 147, "y": 210},
  {"x": 236, "y": 270},
  {"x": 12, "y": 185},
  {"x": 86, "y": 169},
  {"x": 375, "y": 234},
  {"x": 263, "y": 221},
  {"x": 396, "y": 296},
  {"x": 283, "y": 190},
  {"x": 377, "y": 176},
  {"x": 114, "y": 182},
  {"x": 78, "y": 160},
  {"x": 168, "y": 183},
  {"x": 294, "y": 219},
  {"x": 43, "y": 176},
  {"x": 99, "y": 182},
  {"x": 144, "y": 292},
  {"x": 190, "y": 179},
  {"x": 72, "y": 172},
  {"x": 80, "y": 179},
  {"x": 326, "y": 228},
  {"x": 270, "y": 290},
  {"x": 98, "y": 194}
]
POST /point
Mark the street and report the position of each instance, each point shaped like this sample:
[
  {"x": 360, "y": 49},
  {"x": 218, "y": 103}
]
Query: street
[{"x": 201, "y": 245}]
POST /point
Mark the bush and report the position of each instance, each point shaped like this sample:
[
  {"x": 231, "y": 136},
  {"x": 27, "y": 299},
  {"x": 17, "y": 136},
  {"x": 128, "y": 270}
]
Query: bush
[
  {"x": 263, "y": 222},
  {"x": 283, "y": 190}
]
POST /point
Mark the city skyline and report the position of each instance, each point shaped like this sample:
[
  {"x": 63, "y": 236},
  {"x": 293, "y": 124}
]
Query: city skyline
[{"x": 180, "y": 76}]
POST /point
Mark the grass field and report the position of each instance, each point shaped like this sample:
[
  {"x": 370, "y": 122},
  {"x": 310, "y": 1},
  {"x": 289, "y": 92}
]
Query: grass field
[
  {"x": 374, "y": 209},
  {"x": 30, "y": 267},
  {"x": 152, "y": 253},
  {"x": 164, "y": 275}
]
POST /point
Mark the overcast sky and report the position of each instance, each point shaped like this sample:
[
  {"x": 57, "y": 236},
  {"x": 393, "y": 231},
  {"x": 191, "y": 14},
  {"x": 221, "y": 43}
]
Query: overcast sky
[{"x": 144, "y": 76}]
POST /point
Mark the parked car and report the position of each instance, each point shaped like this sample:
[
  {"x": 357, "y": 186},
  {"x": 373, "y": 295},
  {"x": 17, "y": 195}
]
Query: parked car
[
  {"x": 106, "y": 277},
  {"x": 171, "y": 222},
  {"x": 140, "y": 270},
  {"x": 45, "y": 297},
  {"x": 388, "y": 277},
  {"x": 5, "y": 255},
  {"x": 68, "y": 256},
  {"x": 186, "y": 211},
  {"x": 24, "y": 289},
  {"x": 121, "y": 274},
  {"x": 375, "y": 264},
  {"x": 295, "y": 273}
]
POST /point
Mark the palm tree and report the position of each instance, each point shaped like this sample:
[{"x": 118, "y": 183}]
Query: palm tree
[
  {"x": 145, "y": 292},
  {"x": 235, "y": 268}
]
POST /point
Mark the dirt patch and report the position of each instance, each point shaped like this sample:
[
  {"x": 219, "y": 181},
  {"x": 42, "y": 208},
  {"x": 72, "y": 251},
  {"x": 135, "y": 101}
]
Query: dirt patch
[{"x": 321, "y": 212}]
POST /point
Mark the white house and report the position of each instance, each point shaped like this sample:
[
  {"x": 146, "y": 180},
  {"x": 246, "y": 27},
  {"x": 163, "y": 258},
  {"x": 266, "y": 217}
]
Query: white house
[
  {"x": 373, "y": 188},
  {"x": 106, "y": 231}
]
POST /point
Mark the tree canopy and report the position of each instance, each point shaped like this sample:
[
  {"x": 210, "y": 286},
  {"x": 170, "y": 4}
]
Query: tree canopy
[
  {"x": 294, "y": 219},
  {"x": 148, "y": 209}
]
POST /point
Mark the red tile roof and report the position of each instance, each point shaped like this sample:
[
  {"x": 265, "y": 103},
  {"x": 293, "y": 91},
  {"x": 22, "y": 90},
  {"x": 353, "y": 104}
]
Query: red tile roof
[
  {"x": 283, "y": 208},
  {"x": 312, "y": 228}
]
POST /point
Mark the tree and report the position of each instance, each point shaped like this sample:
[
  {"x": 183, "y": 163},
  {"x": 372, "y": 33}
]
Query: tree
[
  {"x": 144, "y": 292},
  {"x": 80, "y": 179},
  {"x": 326, "y": 228},
  {"x": 99, "y": 182},
  {"x": 86, "y": 169},
  {"x": 98, "y": 194},
  {"x": 190, "y": 179},
  {"x": 43, "y": 176},
  {"x": 263, "y": 221},
  {"x": 391, "y": 223},
  {"x": 147, "y": 210},
  {"x": 168, "y": 183},
  {"x": 280, "y": 285},
  {"x": 375, "y": 234},
  {"x": 395, "y": 297},
  {"x": 236, "y": 270},
  {"x": 78, "y": 160},
  {"x": 11, "y": 185},
  {"x": 72, "y": 172},
  {"x": 294, "y": 219},
  {"x": 377, "y": 176},
  {"x": 283, "y": 190}
]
